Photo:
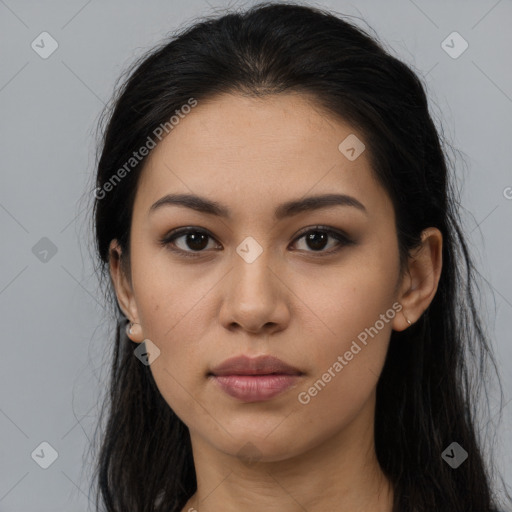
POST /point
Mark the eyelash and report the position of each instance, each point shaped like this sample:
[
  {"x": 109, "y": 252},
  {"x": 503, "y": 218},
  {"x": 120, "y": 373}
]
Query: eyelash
[{"x": 343, "y": 240}]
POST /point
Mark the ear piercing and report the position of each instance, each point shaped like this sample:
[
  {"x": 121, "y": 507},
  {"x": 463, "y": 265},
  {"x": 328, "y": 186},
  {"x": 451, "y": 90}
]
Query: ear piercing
[
  {"x": 408, "y": 321},
  {"x": 129, "y": 328}
]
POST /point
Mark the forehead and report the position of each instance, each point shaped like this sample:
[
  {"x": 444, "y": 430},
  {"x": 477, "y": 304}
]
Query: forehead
[{"x": 245, "y": 150}]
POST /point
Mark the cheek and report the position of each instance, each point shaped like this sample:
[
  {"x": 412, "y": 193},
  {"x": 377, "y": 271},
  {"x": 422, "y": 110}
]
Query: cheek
[
  {"x": 171, "y": 303},
  {"x": 348, "y": 298},
  {"x": 347, "y": 365},
  {"x": 179, "y": 371},
  {"x": 353, "y": 321},
  {"x": 167, "y": 295}
]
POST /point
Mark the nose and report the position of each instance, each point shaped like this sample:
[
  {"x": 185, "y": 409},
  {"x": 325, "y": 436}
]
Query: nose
[{"x": 255, "y": 299}]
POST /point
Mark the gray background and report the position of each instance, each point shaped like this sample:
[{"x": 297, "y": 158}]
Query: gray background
[{"x": 52, "y": 313}]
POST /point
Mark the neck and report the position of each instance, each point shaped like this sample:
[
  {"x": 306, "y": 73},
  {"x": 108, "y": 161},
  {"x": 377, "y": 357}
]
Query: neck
[{"x": 341, "y": 474}]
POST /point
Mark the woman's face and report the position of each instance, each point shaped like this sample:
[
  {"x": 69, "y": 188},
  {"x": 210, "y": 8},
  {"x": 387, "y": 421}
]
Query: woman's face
[{"x": 257, "y": 280}]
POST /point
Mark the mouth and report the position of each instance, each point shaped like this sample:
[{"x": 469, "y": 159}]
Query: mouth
[{"x": 254, "y": 379}]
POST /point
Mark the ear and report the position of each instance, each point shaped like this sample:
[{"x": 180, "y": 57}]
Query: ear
[
  {"x": 420, "y": 282},
  {"x": 123, "y": 288}
]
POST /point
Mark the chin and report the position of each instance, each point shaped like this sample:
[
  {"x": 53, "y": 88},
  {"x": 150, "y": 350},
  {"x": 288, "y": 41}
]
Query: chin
[{"x": 254, "y": 447}]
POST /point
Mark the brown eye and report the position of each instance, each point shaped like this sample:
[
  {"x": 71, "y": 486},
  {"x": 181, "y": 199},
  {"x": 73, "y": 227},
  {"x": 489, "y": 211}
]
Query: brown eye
[
  {"x": 191, "y": 240},
  {"x": 318, "y": 238},
  {"x": 195, "y": 241}
]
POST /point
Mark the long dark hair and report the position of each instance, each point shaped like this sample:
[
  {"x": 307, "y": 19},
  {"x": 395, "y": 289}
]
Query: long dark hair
[{"x": 427, "y": 393}]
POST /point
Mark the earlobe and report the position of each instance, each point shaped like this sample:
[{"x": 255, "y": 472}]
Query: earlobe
[
  {"x": 422, "y": 278},
  {"x": 124, "y": 293},
  {"x": 134, "y": 332}
]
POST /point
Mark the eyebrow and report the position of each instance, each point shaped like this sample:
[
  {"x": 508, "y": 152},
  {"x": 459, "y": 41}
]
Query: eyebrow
[{"x": 288, "y": 209}]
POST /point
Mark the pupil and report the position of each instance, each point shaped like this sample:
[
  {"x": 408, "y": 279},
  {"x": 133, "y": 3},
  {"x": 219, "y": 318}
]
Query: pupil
[
  {"x": 194, "y": 241},
  {"x": 314, "y": 241}
]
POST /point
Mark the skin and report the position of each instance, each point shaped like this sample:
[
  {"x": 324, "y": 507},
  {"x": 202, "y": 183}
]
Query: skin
[{"x": 251, "y": 155}]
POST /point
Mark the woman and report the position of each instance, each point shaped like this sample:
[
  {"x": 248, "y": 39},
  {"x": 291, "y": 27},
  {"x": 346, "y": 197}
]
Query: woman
[{"x": 275, "y": 212}]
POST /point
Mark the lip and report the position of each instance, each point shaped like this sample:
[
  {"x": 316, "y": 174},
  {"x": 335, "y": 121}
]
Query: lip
[{"x": 255, "y": 379}]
